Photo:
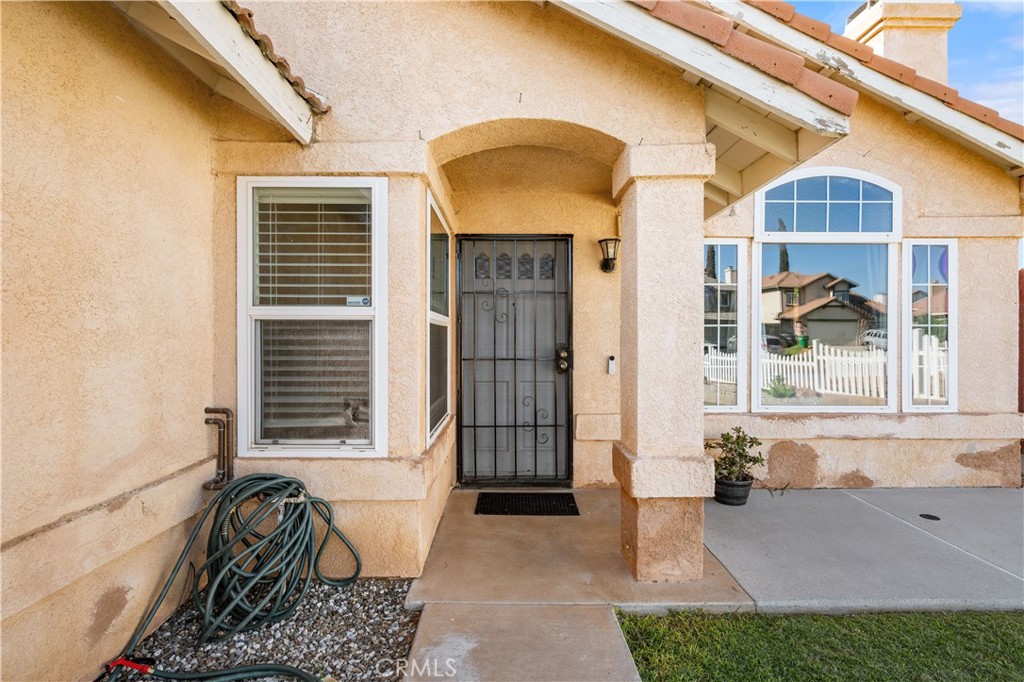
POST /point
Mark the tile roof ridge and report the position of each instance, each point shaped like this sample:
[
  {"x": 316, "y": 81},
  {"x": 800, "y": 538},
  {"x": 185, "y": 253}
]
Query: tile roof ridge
[
  {"x": 787, "y": 14},
  {"x": 698, "y": 19}
]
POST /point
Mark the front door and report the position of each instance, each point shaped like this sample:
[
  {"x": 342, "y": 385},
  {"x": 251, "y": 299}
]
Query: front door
[{"x": 515, "y": 347}]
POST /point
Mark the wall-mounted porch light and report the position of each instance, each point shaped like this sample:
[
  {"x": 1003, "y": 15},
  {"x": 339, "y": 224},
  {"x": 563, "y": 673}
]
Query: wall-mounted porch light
[{"x": 609, "y": 253}]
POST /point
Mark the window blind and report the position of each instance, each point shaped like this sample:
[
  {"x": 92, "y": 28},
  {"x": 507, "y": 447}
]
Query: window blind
[
  {"x": 313, "y": 246},
  {"x": 315, "y": 380}
]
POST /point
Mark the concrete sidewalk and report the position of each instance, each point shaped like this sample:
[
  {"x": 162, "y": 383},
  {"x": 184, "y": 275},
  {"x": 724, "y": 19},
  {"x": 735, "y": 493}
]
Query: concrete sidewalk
[
  {"x": 839, "y": 551},
  {"x": 531, "y": 598},
  {"x": 520, "y": 643}
]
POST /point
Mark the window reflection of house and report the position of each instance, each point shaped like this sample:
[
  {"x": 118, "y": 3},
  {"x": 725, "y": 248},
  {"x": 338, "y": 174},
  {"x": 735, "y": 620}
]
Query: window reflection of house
[
  {"x": 720, "y": 308},
  {"x": 821, "y": 306}
]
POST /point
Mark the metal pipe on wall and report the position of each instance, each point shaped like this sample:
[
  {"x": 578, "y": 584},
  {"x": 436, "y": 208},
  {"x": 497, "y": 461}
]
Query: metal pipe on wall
[{"x": 225, "y": 447}]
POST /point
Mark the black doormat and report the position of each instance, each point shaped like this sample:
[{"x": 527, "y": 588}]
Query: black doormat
[{"x": 527, "y": 504}]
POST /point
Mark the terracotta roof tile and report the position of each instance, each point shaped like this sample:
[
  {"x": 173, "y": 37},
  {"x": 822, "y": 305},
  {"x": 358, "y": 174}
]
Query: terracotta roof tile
[
  {"x": 858, "y": 51},
  {"x": 1010, "y": 127},
  {"x": 773, "y": 60},
  {"x": 936, "y": 89},
  {"x": 827, "y": 91},
  {"x": 901, "y": 72},
  {"x": 790, "y": 279},
  {"x": 812, "y": 27},
  {"x": 694, "y": 19},
  {"x": 809, "y": 307},
  {"x": 893, "y": 69},
  {"x": 244, "y": 18},
  {"x": 782, "y": 10},
  {"x": 976, "y": 110}
]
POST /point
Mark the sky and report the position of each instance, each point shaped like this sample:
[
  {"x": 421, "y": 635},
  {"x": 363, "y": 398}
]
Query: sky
[
  {"x": 986, "y": 49},
  {"x": 986, "y": 53}
]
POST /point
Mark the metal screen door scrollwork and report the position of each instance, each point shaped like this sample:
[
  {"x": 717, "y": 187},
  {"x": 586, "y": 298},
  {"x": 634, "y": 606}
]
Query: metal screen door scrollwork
[{"x": 515, "y": 360}]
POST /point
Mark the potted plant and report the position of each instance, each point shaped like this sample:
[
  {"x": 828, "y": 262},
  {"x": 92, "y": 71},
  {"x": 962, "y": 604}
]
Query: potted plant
[{"x": 732, "y": 466}]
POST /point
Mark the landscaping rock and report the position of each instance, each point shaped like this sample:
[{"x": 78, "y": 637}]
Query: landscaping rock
[{"x": 345, "y": 633}]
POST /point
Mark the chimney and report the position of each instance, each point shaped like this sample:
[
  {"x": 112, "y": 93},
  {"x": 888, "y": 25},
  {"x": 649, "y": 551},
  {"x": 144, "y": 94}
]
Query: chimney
[{"x": 913, "y": 33}]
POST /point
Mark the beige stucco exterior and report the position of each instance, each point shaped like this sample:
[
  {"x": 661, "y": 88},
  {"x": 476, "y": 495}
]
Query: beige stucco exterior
[
  {"x": 108, "y": 343},
  {"x": 913, "y": 33},
  {"x": 119, "y": 288},
  {"x": 947, "y": 192}
]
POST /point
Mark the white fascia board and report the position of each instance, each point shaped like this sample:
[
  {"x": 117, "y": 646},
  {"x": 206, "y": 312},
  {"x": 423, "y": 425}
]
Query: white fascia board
[
  {"x": 215, "y": 28},
  {"x": 1006, "y": 147},
  {"x": 687, "y": 51}
]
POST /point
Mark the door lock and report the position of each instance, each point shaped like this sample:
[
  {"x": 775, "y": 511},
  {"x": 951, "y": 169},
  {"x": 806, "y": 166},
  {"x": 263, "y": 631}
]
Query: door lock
[{"x": 564, "y": 359}]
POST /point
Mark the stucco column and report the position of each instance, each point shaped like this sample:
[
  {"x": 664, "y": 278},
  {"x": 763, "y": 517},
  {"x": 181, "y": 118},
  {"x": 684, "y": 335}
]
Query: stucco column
[{"x": 660, "y": 462}]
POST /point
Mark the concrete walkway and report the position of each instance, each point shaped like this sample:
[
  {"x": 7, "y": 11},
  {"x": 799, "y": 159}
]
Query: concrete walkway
[
  {"x": 531, "y": 598},
  {"x": 553, "y": 560},
  {"x": 839, "y": 551},
  {"x": 520, "y": 642}
]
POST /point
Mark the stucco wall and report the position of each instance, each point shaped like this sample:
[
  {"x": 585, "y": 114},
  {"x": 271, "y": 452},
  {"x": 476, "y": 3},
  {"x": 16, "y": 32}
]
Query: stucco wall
[
  {"x": 107, "y": 329},
  {"x": 948, "y": 192},
  {"x": 401, "y": 109},
  {"x": 595, "y": 309},
  {"x": 119, "y": 314}
]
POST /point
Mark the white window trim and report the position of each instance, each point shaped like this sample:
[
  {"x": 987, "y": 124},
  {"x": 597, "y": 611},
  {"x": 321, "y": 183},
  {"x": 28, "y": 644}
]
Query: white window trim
[
  {"x": 761, "y": 236},
  {"x": 742, "y": 325},
  {"x": 908, "y": 320},
  {"x": 437, "y": 318},
  {"x": 248, "y": 314}
]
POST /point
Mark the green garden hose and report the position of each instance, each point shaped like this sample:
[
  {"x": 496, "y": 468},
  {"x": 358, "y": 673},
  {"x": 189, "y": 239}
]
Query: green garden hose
[{"x": 261, "y": 557}]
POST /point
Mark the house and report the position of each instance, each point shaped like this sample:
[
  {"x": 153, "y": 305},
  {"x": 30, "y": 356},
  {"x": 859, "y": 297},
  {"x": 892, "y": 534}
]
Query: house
[
  {"x": 382, "y": 233},
  {"x": 820, "y": 306}
]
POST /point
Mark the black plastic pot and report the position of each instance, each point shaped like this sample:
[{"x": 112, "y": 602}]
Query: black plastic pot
[{"x": 732, "y": 493}]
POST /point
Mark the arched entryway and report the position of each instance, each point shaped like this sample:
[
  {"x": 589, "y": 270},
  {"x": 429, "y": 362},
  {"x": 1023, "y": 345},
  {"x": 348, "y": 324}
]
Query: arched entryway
[{"x": 529, "y": 201}]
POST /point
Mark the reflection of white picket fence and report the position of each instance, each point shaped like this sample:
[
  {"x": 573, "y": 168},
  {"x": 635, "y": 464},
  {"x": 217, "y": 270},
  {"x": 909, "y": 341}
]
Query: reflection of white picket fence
[
  {"x": 827, "y": 369},
  {"x": 929, "y": 365},
  {"x": 719, "y": 367}
]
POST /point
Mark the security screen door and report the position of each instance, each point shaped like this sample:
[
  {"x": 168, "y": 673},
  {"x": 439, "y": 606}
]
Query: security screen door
[{"x": 515, "y": 336}]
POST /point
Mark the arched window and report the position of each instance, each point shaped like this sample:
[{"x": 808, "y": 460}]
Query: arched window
[
  {"x": 840, "y": 202},
  {"x": 825, "y": 296}
]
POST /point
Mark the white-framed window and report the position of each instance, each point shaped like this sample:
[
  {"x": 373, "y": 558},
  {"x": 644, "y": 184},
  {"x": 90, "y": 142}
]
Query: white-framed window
[
  {"x": 824, "y": 288},
  {"x": 930, "y": 348},
  {"x": 725, "y": 325},
  {"x": 439, "y": 339},
  {"x": 312, "y": 316}
]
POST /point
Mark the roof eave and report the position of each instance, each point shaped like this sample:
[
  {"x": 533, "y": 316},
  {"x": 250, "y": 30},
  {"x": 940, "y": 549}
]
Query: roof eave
[
  {"x": 215, "y": 28},
  {"x": 765, "y": 114},
  {"x": 997, "y": 145},
  {"x": 207, "y": 38},
  {"x": 697, "y": 56}
]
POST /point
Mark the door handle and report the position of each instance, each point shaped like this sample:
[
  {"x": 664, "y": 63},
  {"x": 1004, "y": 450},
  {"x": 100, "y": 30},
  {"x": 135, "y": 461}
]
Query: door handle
[{"x": 564, "y": 359}]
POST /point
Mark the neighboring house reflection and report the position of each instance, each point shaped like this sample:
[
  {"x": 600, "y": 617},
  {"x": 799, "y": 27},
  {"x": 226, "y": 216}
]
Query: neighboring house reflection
[{"x": 821, "y": 306}]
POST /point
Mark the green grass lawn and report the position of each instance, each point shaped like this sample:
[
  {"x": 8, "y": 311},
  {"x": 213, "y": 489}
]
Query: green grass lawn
[{"x": 762, "y": 648}]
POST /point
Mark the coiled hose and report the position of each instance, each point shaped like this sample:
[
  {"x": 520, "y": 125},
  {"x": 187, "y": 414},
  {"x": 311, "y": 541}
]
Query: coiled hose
[{"x": 261, "y": 557}]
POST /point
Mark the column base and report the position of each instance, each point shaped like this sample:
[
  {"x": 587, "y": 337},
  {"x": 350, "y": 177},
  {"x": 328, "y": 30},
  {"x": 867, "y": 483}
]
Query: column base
[
  {"x": 662, "y": 512},
  {"x": 663, "y": 538}
]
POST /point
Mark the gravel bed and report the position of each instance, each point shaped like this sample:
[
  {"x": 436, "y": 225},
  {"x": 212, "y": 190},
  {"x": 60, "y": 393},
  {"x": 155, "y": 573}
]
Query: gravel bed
[{"x": 348, "y": 633}]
